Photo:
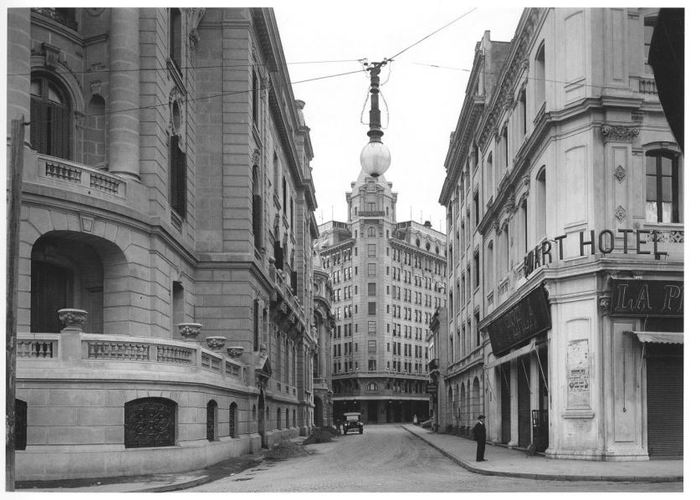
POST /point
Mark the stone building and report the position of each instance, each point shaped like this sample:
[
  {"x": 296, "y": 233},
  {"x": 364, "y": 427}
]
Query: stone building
[
  {"x": 388, "y": 277},
  {"x": 167, "y": 221},
  {"x": 564, "y": 194},
  {"x": 324, "y": 325}
]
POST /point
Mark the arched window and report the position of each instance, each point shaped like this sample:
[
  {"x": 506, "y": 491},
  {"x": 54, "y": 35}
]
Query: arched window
[
  {"x": 539, "y": 77},
  {"x": 663, "y": 186},
  {"x": 294, "y": 418},
  {"x": 542, "y": 203},
  {"x": 286, "y": 418},
  {"x": 211, "y": 420},
  {"x": 233, "y": 419},
  {"x": 371, "y": 232},
  {"x": 149, "y": 422},
  {"x": 50, "y": 117}
]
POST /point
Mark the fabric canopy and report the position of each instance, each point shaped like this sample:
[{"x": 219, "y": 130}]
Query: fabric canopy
[
  {"x": 660, "y": 337},
  {"x": 512, "y": 355}
]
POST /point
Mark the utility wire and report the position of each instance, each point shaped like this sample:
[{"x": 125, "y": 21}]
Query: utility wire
[
  {"x": 183, "y": 68},
  {"x": 431, "y": 34},
  {"x": 212, "y": 96}
]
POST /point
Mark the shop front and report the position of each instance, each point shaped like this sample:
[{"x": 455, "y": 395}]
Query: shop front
[
  {"x": 516, "y": 372},
  {"x": 648, "y": 315}
]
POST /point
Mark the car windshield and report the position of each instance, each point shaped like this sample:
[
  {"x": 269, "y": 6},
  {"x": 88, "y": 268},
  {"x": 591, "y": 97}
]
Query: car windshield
[{"x": 352, "y": 418}]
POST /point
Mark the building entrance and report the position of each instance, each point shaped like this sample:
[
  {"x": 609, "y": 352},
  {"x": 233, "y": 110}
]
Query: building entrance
[
  {"x": 523, "y": 402},
  {"x": 505, "y": 403},
  {"x": 664, "y": 400}
]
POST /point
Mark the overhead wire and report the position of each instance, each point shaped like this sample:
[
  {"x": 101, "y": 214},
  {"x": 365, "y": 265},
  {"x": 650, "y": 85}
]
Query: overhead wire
[{"x": 211, "y": 96}]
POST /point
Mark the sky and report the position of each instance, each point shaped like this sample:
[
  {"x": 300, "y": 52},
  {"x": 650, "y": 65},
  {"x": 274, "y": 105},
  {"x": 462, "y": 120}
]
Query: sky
[{"x": 422, "y": 101}]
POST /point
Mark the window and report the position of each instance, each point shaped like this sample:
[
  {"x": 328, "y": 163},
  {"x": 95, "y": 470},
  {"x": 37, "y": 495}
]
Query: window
[
  {"x": 476, "y": 271},
  {"x": 257, "y": 210},
  {"x": 371, "y": 250},
  {"x": 371, "y": 232},
  {"x": 211, "y": 420},
  {"x": 50, "y": 117},
  {"x": 649, "y": 23},
  {"x": 279, "y": 418},
  {"x": 254, "y": 97},
  {"x": 372, "y": 308},
  {"x": 372, "y": 365},
  {"x": 372, "y": 327},
  {"x": 20, "y": 424},
  {"x": 372, "y": 346},
  {"x": 539, "y": 78},
  {"x": 663, "y": 186},
  {"x": 371, "y": 269},
  {"x": 541, "y": 204},
  {"x": 176, "y": 38},
  {"x": 149, "y": 422},
  {"x": 178, "y": 176},
  {"x": 476, "y": 208},
  {"x": 523, "y": 112}
]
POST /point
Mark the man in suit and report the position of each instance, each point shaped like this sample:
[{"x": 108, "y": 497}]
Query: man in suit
[{"x": 480, "y": 436}]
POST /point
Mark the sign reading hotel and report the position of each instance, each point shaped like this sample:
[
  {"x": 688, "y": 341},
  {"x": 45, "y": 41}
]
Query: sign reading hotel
[{"x": 637, "y": 241}]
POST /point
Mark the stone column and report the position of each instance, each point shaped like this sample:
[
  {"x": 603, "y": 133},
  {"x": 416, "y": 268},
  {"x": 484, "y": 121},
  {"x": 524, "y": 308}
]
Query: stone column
[
  {"x": 124, "y": 92},
  {"x": 18, "y": 66}
]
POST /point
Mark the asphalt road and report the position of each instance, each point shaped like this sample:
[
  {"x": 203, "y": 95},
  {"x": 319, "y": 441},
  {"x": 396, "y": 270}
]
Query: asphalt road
[{"x": 387, "y": 458}]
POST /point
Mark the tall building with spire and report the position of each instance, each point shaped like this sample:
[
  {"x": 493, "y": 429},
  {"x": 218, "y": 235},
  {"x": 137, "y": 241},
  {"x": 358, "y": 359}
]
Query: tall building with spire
[{"x": 388, "y": 278}]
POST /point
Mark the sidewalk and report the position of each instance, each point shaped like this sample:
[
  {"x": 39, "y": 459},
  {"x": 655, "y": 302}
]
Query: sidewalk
[{"x": 501, "y": 461}]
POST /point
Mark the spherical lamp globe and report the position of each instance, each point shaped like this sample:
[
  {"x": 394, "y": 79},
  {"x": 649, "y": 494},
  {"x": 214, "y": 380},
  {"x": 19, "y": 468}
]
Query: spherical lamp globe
[{"x": 375, "y": 158}]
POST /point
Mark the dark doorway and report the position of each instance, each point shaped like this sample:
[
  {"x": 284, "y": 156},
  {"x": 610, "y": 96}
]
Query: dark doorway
[
  {"x": 524, "y": 402},
  {"x": 540, "y": 422},
  {"x": 372, "y": 412},
  {"x": 505, "y": 403},
  {"x": 261, "y": 419},
  {"x": 52, "y": 289}
]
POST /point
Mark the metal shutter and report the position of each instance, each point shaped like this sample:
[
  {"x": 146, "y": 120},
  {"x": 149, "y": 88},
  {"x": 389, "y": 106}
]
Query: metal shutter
[{"x": 664, "y": 401}]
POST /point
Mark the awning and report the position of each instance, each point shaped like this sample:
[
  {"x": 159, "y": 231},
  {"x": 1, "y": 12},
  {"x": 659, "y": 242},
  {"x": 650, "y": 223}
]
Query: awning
[
  {"x": 512, "y": 355},
  {"x": 659, "y": 337}
]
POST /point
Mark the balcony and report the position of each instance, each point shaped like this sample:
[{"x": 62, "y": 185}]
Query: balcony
[
  {"x": 97, "y": 356},
  {"x": 370, "y": 213},
  {"x": 79, "y": 178}
]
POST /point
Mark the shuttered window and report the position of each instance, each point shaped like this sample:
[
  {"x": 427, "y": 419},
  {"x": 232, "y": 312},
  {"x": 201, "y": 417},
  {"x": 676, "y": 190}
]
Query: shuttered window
[{"x": 50, "y": 118}]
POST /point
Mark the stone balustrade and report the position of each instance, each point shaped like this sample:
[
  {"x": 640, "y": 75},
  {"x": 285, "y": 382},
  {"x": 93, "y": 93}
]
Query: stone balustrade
[
  {"x": 87, "y": 180},
  {"x": 81, "y": 350}
]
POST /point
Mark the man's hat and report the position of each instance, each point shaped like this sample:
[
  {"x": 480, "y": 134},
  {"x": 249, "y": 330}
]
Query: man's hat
[{"x": 480, "y": 417}]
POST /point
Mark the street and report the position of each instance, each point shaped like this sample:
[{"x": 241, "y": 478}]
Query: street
[{"x": 388, "y": 458}]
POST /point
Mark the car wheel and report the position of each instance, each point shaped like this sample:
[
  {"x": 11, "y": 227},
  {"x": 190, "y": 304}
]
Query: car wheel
[{"x": 360, "y": 431}]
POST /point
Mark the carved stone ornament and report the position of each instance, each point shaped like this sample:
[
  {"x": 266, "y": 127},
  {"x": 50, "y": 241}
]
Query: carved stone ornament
[
  {"x": 618, "y": 133},
  {"x": 235, "y": 351},
  {"x": 620, "y": 173},
  {"x": 194, "y": 16},
  {"x": 216, "y": 343},
  {"x": 604, "y": 304},
  {"x": 255, "y": 157},
  {"x": 620, "y": 213},
  {"x": 73, "y": 319},
  {"x": 189, "y": 330}
]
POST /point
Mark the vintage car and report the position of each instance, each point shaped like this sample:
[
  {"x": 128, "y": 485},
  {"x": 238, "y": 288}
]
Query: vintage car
[{"x": 352, "y": 421}]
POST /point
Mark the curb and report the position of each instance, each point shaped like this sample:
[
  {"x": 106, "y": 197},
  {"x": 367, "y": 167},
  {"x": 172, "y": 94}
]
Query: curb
[{"x": 548, "y": 477}]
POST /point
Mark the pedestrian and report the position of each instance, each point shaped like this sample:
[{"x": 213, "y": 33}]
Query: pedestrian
[{"x": 480, "y": 436}]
